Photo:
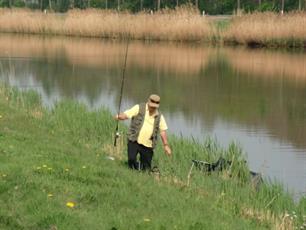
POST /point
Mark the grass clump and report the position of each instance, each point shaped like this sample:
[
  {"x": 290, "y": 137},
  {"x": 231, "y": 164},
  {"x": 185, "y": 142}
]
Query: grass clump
[{"x": 55, "y": 173}]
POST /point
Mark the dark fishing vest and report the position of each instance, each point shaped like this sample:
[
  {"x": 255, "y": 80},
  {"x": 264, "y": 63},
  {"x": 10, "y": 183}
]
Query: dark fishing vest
[{"x": 137, "y": 122}]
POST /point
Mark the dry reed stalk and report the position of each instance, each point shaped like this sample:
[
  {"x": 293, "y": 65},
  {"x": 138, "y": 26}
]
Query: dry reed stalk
[
  {"x": 179, "y": 25},
  {"x": 282, "y": 222},
  {"x": 115, "y": 152},
  {"x": 36, "y": 113},
  {"x": 267, "y": 28},
  {"x": 26, "y": 21}
]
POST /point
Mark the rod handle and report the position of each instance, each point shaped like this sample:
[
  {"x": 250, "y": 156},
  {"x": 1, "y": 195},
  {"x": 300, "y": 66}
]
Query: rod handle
[{"x": 117, "y": 135}]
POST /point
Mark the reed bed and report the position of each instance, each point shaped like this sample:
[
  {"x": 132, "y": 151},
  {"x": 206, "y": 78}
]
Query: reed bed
[
  {"x": 182, "y": 24},
  {"x": 268, "y": 29}
]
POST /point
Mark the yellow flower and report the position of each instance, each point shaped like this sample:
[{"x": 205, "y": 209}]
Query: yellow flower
[
  {"x": 66, "y": 170},
  {"x": 50, "y": 195},
  {"x": 84, "y": 167},
  {"x": 146, "y": 220},
  {"x": 0, "y": 116},
  {"x": 70, "y": 204},
  {"x": 45, "y": 166},
  {"x": 4, "y": 175}
]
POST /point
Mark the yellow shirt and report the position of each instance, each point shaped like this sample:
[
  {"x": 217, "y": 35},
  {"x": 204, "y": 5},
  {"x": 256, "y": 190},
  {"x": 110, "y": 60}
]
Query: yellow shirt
[{"x": 146, "y": 130}]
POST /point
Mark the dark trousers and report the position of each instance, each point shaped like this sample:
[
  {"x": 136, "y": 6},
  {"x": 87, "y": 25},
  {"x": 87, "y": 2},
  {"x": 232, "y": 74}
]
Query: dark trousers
[{"x": 146, "y": 155}]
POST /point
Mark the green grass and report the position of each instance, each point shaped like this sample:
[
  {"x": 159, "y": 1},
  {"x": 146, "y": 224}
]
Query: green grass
[{"x": 51, "y": 157}]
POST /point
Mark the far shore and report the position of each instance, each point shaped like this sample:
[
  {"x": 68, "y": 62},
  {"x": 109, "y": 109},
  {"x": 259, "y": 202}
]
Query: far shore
[{"x": 182, "y": 25}]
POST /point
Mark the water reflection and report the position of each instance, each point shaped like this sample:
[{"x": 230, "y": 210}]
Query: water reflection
[
  {"x": 267, "y": 64},
  {"x": 255, "y": 97}
]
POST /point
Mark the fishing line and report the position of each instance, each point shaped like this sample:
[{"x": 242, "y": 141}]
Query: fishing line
[{"x": 121, "y": 92}]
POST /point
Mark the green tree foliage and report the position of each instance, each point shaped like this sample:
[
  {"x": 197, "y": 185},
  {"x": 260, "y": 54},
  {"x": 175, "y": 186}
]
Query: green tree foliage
[
  {"x": 81, "y": 4},
  {"x": 5, "y": 3},
  {"x": 63, "y": 5}
]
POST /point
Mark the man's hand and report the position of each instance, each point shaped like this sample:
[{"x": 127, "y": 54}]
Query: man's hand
[
  {"x": 120, "y": 117},
  {"x": 167, "y": 150}
]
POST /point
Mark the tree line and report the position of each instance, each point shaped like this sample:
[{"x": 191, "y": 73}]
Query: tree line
[{"x": 205, "y": 6}]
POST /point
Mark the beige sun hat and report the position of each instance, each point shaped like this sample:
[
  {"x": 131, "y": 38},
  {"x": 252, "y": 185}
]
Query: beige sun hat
[{"x": 154, "y": 100}]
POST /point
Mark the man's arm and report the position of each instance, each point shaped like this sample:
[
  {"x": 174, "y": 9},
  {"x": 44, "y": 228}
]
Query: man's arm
[
  {"x": 164, "y": 138},
  {"x": 127, "y": 114}
]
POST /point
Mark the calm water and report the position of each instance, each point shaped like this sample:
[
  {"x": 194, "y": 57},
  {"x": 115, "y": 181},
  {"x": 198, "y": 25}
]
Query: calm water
[{"x": 256, "y": 98}]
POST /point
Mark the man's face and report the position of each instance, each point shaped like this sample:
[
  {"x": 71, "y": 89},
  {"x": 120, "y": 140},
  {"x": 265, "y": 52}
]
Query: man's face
[
  {"x": 153, "y": 104},
  {"x": 151, "y": 109}
]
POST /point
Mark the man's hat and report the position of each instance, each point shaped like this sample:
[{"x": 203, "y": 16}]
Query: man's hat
[{"x": 154, "y": 101}]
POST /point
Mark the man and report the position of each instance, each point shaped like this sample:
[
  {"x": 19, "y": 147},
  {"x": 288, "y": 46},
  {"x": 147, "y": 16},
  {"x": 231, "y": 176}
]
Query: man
[{"x": 146, "y": 123}]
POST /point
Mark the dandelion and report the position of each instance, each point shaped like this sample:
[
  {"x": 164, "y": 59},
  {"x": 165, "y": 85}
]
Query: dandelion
[
  {"x": 67, "y": 170},
  {"x": 146, "y": 220},
  {"x": 84, "y": 167},
  {"x": 4, "y": 175},
  {"x": 50, "y": 195},
  {"x": 0, "y": 116},
  {"x": 44, "y": 166},
  {"x": 70, "y": 204}
]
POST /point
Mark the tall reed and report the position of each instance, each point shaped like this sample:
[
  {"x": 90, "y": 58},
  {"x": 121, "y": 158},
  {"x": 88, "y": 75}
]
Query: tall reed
[
  {"x": 182, "y": 24},
  {"x": 268, "y": 29}
]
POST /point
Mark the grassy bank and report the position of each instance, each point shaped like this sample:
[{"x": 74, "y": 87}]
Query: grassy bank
[{"x": 55, "y": 174}]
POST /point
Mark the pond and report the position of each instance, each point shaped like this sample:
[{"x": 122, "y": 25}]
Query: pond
[{"x": 256, "y": 98}]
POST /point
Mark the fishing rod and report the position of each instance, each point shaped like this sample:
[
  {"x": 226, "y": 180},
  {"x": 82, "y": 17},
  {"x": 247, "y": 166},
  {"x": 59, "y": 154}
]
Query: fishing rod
[{"x": 121, "y": 92}]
